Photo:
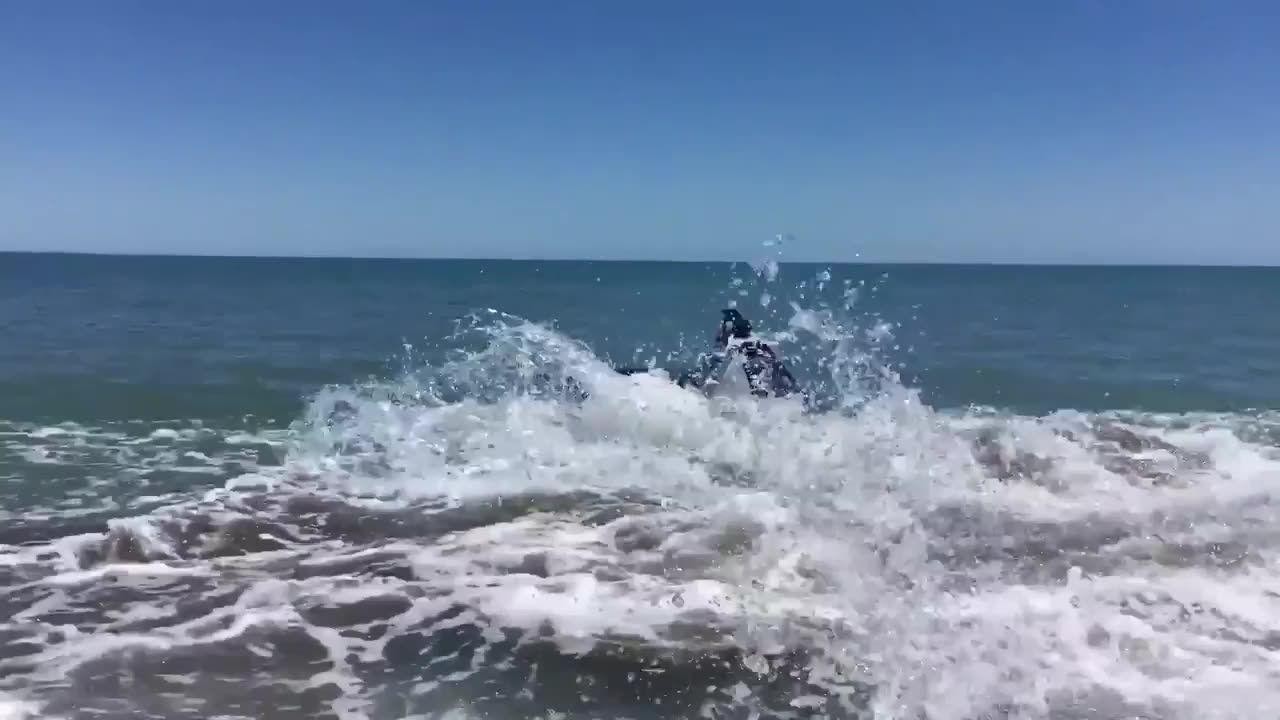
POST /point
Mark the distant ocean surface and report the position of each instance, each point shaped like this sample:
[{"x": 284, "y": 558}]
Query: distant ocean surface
[{"x": 283, "y": 488}]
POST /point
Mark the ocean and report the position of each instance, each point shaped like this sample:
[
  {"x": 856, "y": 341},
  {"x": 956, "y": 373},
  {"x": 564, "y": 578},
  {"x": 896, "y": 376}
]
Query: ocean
[{"x": 313, "y": 488}]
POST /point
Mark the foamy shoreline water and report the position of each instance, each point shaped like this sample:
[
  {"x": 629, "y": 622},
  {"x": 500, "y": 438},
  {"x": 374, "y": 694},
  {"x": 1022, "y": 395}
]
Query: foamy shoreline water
[
  {"x": 647, "y": 546},
  {"x": 462, "y": 538}
]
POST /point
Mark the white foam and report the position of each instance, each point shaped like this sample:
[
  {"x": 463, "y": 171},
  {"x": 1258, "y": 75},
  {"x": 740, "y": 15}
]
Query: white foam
[
  {"x": 121, "y": 570},
  {"x": 50, "y": 432},
  {"x": 773, "y": 529},
  {"x": 13, "y": 709},
  {"x": 883, "y": 472}
]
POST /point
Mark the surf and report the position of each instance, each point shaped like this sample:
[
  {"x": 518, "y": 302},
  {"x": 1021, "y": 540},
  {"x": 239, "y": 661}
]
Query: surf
[{"x": 468, "y": 536}]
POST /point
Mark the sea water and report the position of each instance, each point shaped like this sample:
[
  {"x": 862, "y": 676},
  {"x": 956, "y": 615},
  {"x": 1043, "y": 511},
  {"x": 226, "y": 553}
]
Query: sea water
[{"x": 364, "y": 489}]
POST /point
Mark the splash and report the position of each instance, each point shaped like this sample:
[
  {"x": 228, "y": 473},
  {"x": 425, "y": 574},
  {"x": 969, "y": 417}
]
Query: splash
[
  {"x": 520, "y": 531},
  {"x": 837, "y": 518}
]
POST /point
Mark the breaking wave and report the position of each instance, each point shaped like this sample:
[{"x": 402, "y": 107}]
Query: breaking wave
[{"x": 519, "y": 532}]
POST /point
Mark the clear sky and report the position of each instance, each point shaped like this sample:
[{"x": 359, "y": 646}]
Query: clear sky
[{"x": 1141, "y": 131}]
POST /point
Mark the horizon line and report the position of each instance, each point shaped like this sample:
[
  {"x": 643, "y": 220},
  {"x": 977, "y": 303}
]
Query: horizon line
[{"x": 781, "y": 261}]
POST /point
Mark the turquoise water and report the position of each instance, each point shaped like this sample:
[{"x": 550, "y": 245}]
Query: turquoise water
[{"x": 343, "y": 488}]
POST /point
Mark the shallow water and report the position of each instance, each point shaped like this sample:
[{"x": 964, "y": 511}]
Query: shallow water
[{"x": 457, "y": 537}]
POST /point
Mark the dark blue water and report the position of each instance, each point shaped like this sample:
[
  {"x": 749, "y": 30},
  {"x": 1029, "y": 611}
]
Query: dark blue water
[{"x": 349, "y": 489}]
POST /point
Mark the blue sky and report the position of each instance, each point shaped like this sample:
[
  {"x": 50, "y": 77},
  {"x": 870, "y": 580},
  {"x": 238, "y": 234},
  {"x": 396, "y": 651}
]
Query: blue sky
[{"x": 1144, "y": 131}]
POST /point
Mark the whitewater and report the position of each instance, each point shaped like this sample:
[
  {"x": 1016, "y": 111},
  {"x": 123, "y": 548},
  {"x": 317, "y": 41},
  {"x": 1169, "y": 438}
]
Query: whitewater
[{"x": 474, "y": 539}]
